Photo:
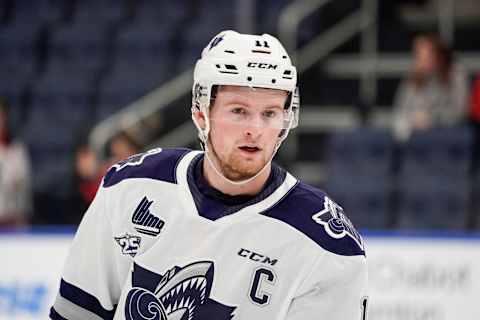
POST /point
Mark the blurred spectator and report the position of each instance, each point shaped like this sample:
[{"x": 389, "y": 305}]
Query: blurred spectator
[
  {"x": 121, "y": 147},
  {"x": 15, "y": 193},
  {"x": 475, "y": 101},
  {"x": 434, "y": 94},
  {"x": 89, "y": 173},
  {"x": 90, "y": 170},
  {"x": 475, "y": 119}
]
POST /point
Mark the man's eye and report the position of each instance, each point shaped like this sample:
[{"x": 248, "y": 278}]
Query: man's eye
[
  {"x": 270, "y": 114},
  {"x": 238, "y": 110}
]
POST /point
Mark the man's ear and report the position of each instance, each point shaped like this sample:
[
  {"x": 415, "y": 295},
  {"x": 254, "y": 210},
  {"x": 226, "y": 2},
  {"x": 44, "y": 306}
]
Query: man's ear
[{"x": 200, "y": 118}]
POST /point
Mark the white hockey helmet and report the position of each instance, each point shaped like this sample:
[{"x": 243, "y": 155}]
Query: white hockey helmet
[{"x": 256, "y": 61}]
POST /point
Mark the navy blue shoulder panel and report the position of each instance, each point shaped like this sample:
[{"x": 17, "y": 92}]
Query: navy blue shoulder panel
[
  {"x": 158, "y": 164},
  {"x": 312, "y": 212}
]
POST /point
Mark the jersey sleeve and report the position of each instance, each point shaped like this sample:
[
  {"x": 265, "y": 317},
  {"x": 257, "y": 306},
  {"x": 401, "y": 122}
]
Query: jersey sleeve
[
  {"x": 91, "y": 282},
  {"x": 336, "y": 289}
]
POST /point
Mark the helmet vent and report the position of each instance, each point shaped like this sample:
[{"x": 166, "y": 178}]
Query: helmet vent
[
  {"x": 230, "y": 51},
  {"x": 287, "y": 74},
  {"x": 227, "y": 68},
  {"x": 261, "y": 51}
]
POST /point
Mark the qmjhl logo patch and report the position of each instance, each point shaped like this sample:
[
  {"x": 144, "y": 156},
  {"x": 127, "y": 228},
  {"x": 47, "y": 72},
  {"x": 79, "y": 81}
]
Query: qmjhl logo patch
[{"x": 145, "y": 222}]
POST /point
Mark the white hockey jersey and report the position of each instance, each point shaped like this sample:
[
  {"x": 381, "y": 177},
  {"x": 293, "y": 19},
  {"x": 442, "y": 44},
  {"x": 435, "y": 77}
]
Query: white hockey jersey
[{"x": 149, "y": 248}]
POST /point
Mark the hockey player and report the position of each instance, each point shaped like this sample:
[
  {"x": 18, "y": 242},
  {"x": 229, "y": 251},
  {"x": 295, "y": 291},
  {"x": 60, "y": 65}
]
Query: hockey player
[{"x": 224, "y": 233}]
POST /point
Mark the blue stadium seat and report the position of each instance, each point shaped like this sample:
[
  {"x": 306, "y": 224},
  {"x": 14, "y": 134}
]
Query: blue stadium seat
[
  {"x": 474, "y": 221},
  {"x": 16, "y": 70},
  {"x": 365, "y": 203},
  {"x": 38, "y": 11},
  {"x": 358, "y": 164},
  {"x": 18, "y": 42},
  {"x": 362, "y": 152},
  {"x": 60, "y": 111},
  {"x": 52, "y": 169},
  {"x": 108, "y": 12},
  {"x": 220, "y": 12},
  {"x": 268, "y": 12},
  {"x": 79, "y": 48},
  {"x": 434, "y": 204},
  {"x": 438, "y": 153},
  {"x": 148, "y": 43},
  {"x": 14, "y": 87},
  {"x": 158, "y": 12},
  {"x": 4, "y": 11},
  {"x": 127, "y": 83},
  {"x": 14, "y": 73},
  {"x": 61, "y": 106},
  {"x": 14, "y": 90},
  {"x": 434, "y": 188}
]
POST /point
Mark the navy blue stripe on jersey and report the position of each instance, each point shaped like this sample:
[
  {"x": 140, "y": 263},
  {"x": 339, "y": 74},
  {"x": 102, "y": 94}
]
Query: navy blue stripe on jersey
[
  {"x": 84, "y": 299},
  {"x": 143, "y": 278},
  {"x": 212, "y": 309},
  {"x": 158, "y": 164},
  {"x": 305, "y": 208},
  {"x": 213, "y": 204},
  {"x": 55, "y": 316}
]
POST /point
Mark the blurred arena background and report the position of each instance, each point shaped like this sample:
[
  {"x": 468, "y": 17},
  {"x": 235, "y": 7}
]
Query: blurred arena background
[{"x": 88, "y": 82}]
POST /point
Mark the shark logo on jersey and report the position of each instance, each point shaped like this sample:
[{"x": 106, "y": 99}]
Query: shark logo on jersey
[
  {"x": 144, "y": 221},
  {"x": 179, "y": 294},
  {"x": 336, "y": 223},
  {"x": 129, "y": 244},
  {"x": 136, "y": 159}
]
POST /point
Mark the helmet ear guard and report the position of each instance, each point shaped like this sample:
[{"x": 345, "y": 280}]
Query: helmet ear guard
[
  {"x": 295, "y": 106},
  {"x": 201, "y": 103}
]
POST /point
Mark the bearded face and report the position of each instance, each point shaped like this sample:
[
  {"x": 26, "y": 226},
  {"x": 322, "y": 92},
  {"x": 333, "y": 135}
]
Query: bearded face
[{"x": 244, "y": 127}]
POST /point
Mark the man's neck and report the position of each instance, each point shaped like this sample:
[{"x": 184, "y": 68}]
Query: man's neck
[{"x": 221, "y": 184}]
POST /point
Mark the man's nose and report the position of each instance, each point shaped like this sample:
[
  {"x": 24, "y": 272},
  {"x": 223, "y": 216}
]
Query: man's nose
[{"x": 254, "y": 128}]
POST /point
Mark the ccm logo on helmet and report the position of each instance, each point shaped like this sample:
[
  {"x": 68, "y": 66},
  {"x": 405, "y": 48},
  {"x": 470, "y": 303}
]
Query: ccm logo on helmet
[{"x": 262, "y": 65}]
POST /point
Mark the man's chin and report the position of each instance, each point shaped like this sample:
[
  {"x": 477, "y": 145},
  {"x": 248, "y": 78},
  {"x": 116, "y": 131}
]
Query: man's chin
[
  {"x": 239, "y": 177},
  {"x": 242, "y": 172},
  {"x": 239, "y": 168}
]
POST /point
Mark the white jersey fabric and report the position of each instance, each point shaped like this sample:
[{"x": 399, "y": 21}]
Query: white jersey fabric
[{"x": 144, "y": 251}]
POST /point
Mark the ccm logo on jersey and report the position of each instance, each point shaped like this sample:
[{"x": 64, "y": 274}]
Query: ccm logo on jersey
[
  {"x": 256, "y": 257},
  {"x": 262, "y": 65},
  {"x": 336, "y": 224},
  {"x": 144, "y": 221}
]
